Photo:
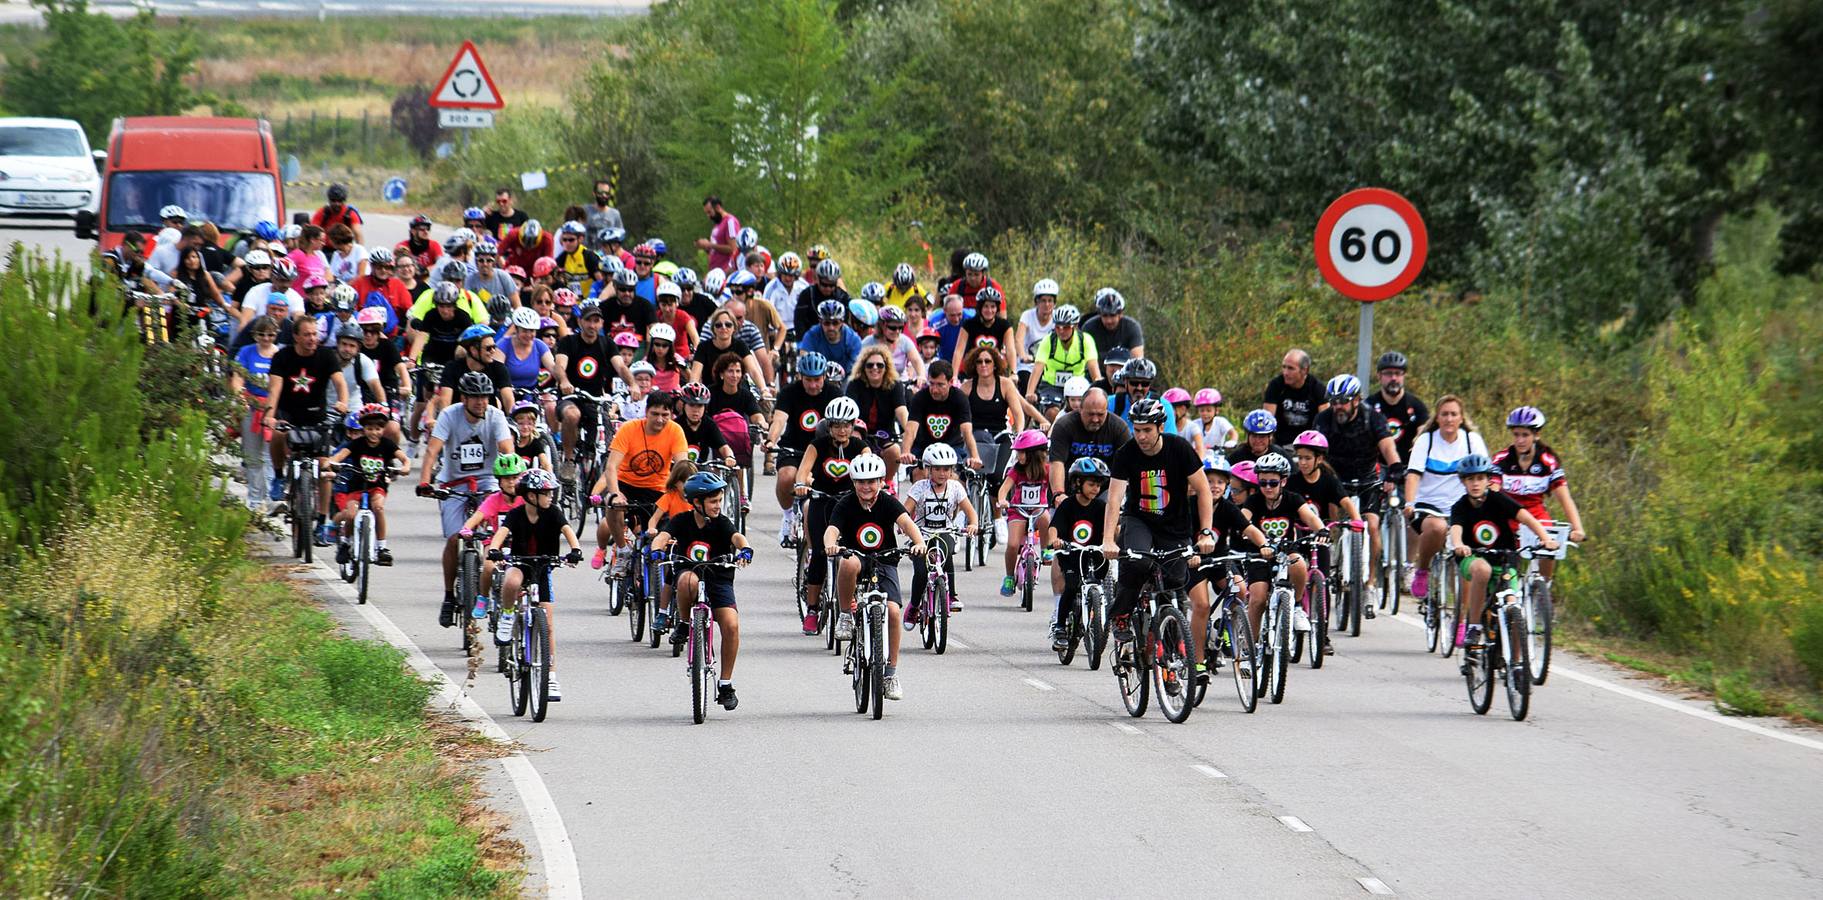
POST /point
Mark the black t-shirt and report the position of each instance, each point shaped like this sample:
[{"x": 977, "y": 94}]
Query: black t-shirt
[
  {"x": 586, "y": 364},
  {"x": 1403, "y": 419},
  {"x": 879, "y": 406},
  {"x": 700, "y": 306},
  {"x": 1354, "y": 447},
  {"x": 530, "y": 450},
  {"x": 1071, "y": 439},
  {"x": 1489, "y": 525},
  {"x": 494, "y": 221},
  {"x": 871, "y": 530},
  {"x": 976, "y": 333},
  {"x": 371, "y": 461},
  {"x": 636, "y": 316},
  {"x": 802, "y": 413},
  {"x": 385, "y": 356},
  {"x": 1125, "y": 336},
  {"x": 441, "y": 334},
  {"x": 496, "y": 372},
  {"x": 804, "y": 317},
  {"x": 1079, "y": 524},
  {"x": 1297, "y": 407},
  {"x": 705, "y": 439},
  {"x": 741, "y": 401},
  {"x": 831, "y": 473},
  {"x": 1324, "y": 493},
  {"x": 1279, "y": 521},
  {"x": 1158, "y": 486},
  {"x": 541, "y": 538},
  {"x": 938, "y": 421},
  {"x": 307, "y": 383},
  {"x": 1228, "y": 523},
  {"x": 714, "y": 539}
]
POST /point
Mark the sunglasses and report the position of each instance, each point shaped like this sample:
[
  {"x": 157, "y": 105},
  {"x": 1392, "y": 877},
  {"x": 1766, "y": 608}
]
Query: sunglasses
[
  {"x": 488, "y": 348},
  {"x": 724, "y": 325},
  {"x": 1270, "y": 482},
  {"x": 892, "y": 326},
  {"x": 873, "y": 365},
  {"x": 1142, "y": 385},
  {"x": 374, "y": 329},
  {"x": 569, "y": 239}
]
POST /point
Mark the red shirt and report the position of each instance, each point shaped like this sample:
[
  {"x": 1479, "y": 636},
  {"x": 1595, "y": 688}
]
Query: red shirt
[
  {"x": 961, "y": 289},
  {"x": 433, "y": 251},
  {"x": 685, "y": 326},
  {"x": 325, "y": 219},
  {"x": 513, "y": 252},
  {"x": 394, "y": 291}
]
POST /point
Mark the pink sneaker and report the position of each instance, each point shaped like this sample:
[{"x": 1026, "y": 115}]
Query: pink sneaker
[
  {"x": 1421, "y": 583},
  {"x": 1462, "y": 634},
  {"x": 599, "y": 559},
  {"x": 955, "y": 605},
  {"x": 810, "y": 623}
]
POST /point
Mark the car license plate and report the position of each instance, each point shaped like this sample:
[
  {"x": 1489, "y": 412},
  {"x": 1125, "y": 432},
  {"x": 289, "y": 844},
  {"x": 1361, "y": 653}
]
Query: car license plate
[{"x": 39, "y": 198}]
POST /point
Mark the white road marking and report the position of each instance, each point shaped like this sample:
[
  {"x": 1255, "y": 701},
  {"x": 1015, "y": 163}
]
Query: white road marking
[
  {"x": 1663, "y": 702},
  {"x": 1210, "y": 771},
  {"x": 1039, "y": 684},
  {"x": 1125, "y": 728},
  {"x": 1295, "y": 824},
  {"x": 1375, "y": 886},
  {"x": 957, "y": 644}
]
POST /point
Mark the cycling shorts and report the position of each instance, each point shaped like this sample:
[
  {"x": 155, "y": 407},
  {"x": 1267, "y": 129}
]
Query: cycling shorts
[
  {"x": 1502, "y": 573},
  {"x": 343, "y": 499},
  {"x": 788, "y": 457}
]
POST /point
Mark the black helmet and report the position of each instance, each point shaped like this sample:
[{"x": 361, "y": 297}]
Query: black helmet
[
  {"x": 475, "y": 384},
  {"x": 1147, "y": 411},
  {"x": 1142, "y": 368},
  {"x": 1392, "y": 359},
  {"x": 338, "y": 193}
]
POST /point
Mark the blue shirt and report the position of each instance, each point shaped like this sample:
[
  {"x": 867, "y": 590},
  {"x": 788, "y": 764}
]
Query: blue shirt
[
  {"x": 948, "y": 333},
  {"x": 1122, "y": 405},
  {"x": 647, "y": 290},
  {"x": 842, "y": 354},
  {"x": 250, "y": 359}
]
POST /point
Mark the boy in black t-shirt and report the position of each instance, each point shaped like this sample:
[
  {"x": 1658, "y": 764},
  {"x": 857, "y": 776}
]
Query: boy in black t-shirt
[
  {"x": 1078, "y": 520},
  {"x": 372, "y": 455},
  {"x": 1484, "y": 520},
  {"x": 1277, "y": 513},
  {"x": 1230, "y": 524},
  {"x": 864, "y": 521},
  {"x": 702, "y": 535},
  {"x": 534, "y": 529}
]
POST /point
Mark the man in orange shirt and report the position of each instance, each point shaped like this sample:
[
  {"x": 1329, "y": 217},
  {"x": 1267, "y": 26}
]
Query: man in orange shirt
[{"x": 639, "y": 461}]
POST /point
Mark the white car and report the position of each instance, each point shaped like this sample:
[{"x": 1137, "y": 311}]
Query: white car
[{"x": 47, "y": 170}]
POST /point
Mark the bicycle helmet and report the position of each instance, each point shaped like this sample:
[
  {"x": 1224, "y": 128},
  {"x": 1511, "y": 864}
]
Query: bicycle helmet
[
  {"x": 661, "y": 332},
  {"x": 1076, "y": 386},
  {"x": 1176, "y": 395},
  {"x": 343, "y": 294},
  {"x": 507, "y": 465},
  {"x": 173, "y": 212},
  {"x": 703, "y": 485},
  {"x": 695, "y": 393},
  {"x": 1142, "y": 369},
  {"x": 612, "y": 236},
  {"x": 538, "y": 481},
  {"x": 685, "y": 279},
  {"x": 658, "y": 245},
  {"x": 564, "y": 297},
  {"x": 475, "y": 384},
  {"x": 1342, "y": 387},
  {"x": 817, "y": 253},
  {"x": 337, "y": 193},
  {"x": 1393, "y": 359},
  {"x": 829, "y": 270},
  {"x": 1109, "y": 302},
  {"x": 523, "y": 406},
  {"x": 742, "y": 279},
  {"x": 517, "y": 272},
  {"x": 474, "y": 333},
  {"x": 1045, "y": 287},
  {"x": 863, "y": 311},
  {"x": 530, "y": 232},
  {"x": 1526, "y": 417},
  {"x": 457, "y": 240},
  {"x": 473, "y": 214},
  {"x": 867, "y": 467},
  {"x": 873, "y": 292},
  {"x": 714, "y": 280},
  {"x": 1259, "y": 422},
  {"x": 375, "y": 411},
  {"x": 1216, "y": 462},
  {"x": 843, "y": 410},
  {"x": 380, "y": 256},
  {"x": 1030, "y": 439},
  {"x": 940, "y": 455},
  {"x": 349, "y": 332},
  {"x": 988, "y": 294},
  {"x": 1313, "y": 439},
  {"x": 975, "y": 262},
  {"x": 1089, "y": 467},
  {"x": 904, "y": 276},
  {"x": 525, "y": 318},
  {"x": 1243, "y": 471},
  {"x": 265, "y": 230},
  {"x": 352, "y": 422},
  {"x": 642, "y": 368},
  {"x": 284, "y": 270},
  {"x": 746, "y": 239},
  {"x": 292, "y": 232},
  {"x": 837, "y": 374},
  {"x": 892, "y": 315},
  {"x": 1474, "y": 464},
  {"x": 790, "y": 263},
  {"x": 1272, "y": 464},
  {"x": 1067, "y": 316},
  {"x": 487, "y": 250},
  {"x": 257, "y": 258},
  {"x": 547, "y": 324},
  {"x": 572, "y": 227},
  {"x": 669, "y": 289},
  {"x": 831, "y": 311},
  {"x": 1146, "y": 411},
  {"x": 1207, "y": 397},
  {"x": 499, "y": 308},
  {"x": 372, "y": 315},
  {"x": 544, "y": 265},
  {"x": 627, "y": 339}
]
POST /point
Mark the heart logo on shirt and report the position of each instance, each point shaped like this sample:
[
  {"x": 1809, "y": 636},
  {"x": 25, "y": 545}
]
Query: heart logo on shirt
[
  {"x": 939, "y": 425},
  {"x": 836, "y": 468}
]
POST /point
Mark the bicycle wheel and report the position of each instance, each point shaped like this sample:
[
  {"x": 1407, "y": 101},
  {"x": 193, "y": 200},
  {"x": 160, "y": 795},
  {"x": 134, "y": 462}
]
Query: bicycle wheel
[
  {"x": 1516, "y": 673},
  {"x": 1027, "y": 571},
  {"x": 1241, "y": 663},
  {"x": 1135, "y": 688},
  {"x": 876, "y": 658},
  {"x": 617, "y": 600},
  {"x": 636, "y": 608},
  {"x": 1449, "y": 612},
  {"x": 1071, "y": 623},
  {"x": 653, "y": 635},
  {"x": 363, "y": 558},
  {"x": 1354, "y": 581},
  {"x": 1281, "y": 651},
  {"x": 700, "y": 681},
  {"x": 940, "y": 612},
  {"x": 1171, "y": 667},
  {"x": 468, "y": 586},
  {"x": 1319, "y": 618},
  {"x": 1433, "y": 624},
  {"x": 538, "y": 663},
  {"x": 799, "y": 586},
  {"x": 1095, "y": 626},
  {"x": 1397, "y": 577},
  {"x": 1538, "y": 632},
  {"x": 518, "y": 685},
  {"x": 857, "y": 666},
  {"x": 1479, "y": 677}
]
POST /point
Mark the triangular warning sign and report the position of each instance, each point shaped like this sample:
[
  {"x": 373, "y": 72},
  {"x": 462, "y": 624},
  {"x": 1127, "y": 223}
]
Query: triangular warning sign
[{"x": 466, "y": 85}]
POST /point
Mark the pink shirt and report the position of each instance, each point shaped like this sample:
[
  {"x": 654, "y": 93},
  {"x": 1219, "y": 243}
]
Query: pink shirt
[
  {"x": 723, "y": 233},
  {"x": 497, "y": 505},
  {"x": 309, "y": 264}
]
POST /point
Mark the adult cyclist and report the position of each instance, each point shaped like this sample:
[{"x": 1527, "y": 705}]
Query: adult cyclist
[
  {"x": 1063, "y": 354},
  {"x": 1405, "y": 414},
  {"x": 1362, "y": 452},
  {"x": 464, "y": 444}
]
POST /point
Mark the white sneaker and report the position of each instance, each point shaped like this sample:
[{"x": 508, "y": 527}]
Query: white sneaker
[
  {"x": 893, "y": 691},
  {"x": 503, "y": 629},
  {"x": 555, "y": 693},
  {"x": 1000, "y": 531},
  {"x": 845, "y": 625},
  {"x": 621, "y": 559},
  {"x": 1300, "y": 621},
  {"x": 785, "y": 528}
]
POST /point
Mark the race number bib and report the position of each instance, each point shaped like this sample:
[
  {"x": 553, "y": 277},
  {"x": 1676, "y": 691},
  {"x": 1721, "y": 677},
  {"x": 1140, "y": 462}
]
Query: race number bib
[
  {"x": 1031, "y": 495},
  {"x": 470, "y": 456}
]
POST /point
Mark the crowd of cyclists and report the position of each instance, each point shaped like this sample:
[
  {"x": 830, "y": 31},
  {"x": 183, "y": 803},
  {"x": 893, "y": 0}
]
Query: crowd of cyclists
[{"x": 548, "y": 374}]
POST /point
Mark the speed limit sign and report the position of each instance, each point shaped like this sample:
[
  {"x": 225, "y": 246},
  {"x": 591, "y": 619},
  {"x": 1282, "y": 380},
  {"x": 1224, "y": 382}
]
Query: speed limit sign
[{"x": 1371, "y": 244}]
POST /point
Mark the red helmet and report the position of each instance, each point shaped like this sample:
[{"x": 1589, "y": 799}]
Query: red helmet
[
  {"x": 544, "y": 266},
  {"x": 374, "y": 411}
]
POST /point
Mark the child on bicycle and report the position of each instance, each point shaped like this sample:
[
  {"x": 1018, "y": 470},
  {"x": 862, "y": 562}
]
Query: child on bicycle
[
  {"x": 1027, "y": 485},
  {"x": 372, "y": 454},
  {"x": 825, "y": 468},
  {"x": 864, "y": 521},
  {"x": 1077, "y": 520},
  {"x": 703, "y": 533},
  {"x": 1485, "y": 519},
  {"x": 938, "y": 501},
  {"x": 670, "y": 503},
  {"x": 534, "y": 529},
  {"x": 528, "y": 441},
  {"x": 1277, "y": 513},
  {"x": 508, "y": 467},
  {"x": 1228, "y": 522}
]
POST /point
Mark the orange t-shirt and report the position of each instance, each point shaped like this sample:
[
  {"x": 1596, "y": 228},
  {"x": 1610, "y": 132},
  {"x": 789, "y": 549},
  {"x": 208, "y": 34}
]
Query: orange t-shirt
[
  {"x": 645, "y": 460},
  {"x": 672, "y": 503}
]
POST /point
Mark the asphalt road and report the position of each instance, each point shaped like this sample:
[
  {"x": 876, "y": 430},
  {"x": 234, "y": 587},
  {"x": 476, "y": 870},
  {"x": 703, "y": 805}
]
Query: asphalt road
[{"x": 1002, "y": 772}]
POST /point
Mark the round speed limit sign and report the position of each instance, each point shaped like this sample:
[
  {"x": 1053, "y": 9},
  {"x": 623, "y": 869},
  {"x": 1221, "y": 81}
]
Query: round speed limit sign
[{"x": 1371, "y": 244}]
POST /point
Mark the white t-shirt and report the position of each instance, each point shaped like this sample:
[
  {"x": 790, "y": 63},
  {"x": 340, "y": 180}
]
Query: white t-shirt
[
  {"x": 1034, "y": 333},
  {"x": 1220, "y": 434},
  {"x": 347, "y": 266},
  {"x": 785, "y": 299},
  {"x": 257, "y": 295},
  {"x": 939, "y": 511},
  {"x": 903, "y": 351},
  {"x": 1436, "y": 458}
]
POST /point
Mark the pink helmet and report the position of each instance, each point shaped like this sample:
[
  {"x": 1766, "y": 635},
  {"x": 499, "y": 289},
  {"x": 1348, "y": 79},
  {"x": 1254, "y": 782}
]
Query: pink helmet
[
  {"x": 1177, "y": 395},
  {"x": 626, "y": 339},
  {"x": 372, "y": 315},
  {"x": 1207, "y": 397},
  {"x": 1030, "y": 439},
  {"x": 1243, "y": 471},
  {"x": 1313, "y": 439}
]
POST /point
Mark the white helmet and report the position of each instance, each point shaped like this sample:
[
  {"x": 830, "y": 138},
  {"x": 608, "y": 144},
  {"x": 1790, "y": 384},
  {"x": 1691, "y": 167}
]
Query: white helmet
[
  {"x": 258, "y": 258},
  {"x": 661, "y": 332},
  {"x": 713, "y": 281},
  {"x": 670, "y": 289},
  {"x": 940, "y": 455},
  {"x": 842, "y": 409},
  {"x": 867, "y": 467},
  {"x": 173, "y": 212},
  {"x": 1077, "y": 386},
  {"x": 642, "y": 367},
  {"x": 525, "y": 318},
  {"x": 1044, "y": 288},
  {"x": 292, "y": 232},
  {"x": 975, "y": 262}
]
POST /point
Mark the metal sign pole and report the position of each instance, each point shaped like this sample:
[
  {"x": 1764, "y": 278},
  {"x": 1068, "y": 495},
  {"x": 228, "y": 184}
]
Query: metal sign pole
[{"x": 1364, "y": 349}]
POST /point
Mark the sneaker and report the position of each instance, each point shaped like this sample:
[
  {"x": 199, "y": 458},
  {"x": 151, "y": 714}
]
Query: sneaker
[
  {"x": 342, "y": 553},
  {"x": 599, "y": 559},
  {"x": 1462, "y": 634},
  {"x": 1300, "y": 620},
  {"x": 1006, "y": 586},
  {"x": 566, "y": 470},
  {"x": 810, "y": 623},
  {"x": 1123, "y": 629},
  {"x": 503, "y": 629},
  {"x": 446, "y": 617},
  {"x": 1244, "y": 668},
  {"x": 325, "y": 535},
  {"x": 275, "y": 491},
  {"x": 623, "y": 560},
  {"x": 1421, "y": 583},
  {"x": 1060, "y": 640},
  {"x": 1329, "y": 649},
  {"x": 845, "y": 624},
  {"x": 278, "y": 508},
  {"x": 680, "y": 635},
  {"x": 724, "y": 694},
  {"x": 893, "y": 691},
  {"x": 1474, "y": 636},
  {"x": 479, "y": 610},
  {"x": 383, "y": 556},
  {"x": 1202, "y": 673},
  {"x": 661, "y": 620},
  {"x": 556, "y": 691},
  {"x": 1000, "y": 532},
  {"x": 1367, "y": 612}
]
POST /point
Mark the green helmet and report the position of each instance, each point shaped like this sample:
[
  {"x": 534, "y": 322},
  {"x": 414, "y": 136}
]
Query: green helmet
[{"x": 509, "y": 464}]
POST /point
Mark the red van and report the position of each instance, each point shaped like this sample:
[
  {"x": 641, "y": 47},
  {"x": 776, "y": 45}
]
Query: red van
[{"x": 220, "y": 170}]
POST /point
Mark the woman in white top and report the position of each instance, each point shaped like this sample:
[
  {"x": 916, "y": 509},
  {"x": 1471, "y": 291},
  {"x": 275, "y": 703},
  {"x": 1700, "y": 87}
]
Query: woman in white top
[
  {"x": 1431, "y": 485},
  {"x": 1034, "y": 326}
]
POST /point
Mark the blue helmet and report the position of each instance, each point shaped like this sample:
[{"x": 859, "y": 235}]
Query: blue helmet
[
  {"x": 1259, "y": 422},
  {"x": 863, "y": 311},
  {"x": 703, "y": 484},
  {"x": 1343, "y": 387},
  {"x": 473, "y": 214},
  {"x": 1474, "y": 464},
  {"x": 475, "y": 333},
  {"x": 658, "y": 246},
  {"x": 1216, "y": 462},
  {"x": 265, "y": 231},
  {"x": 812, "y": 364},
  {"x": 831, "y": 311},
  {"x": 353, "y": 422}
]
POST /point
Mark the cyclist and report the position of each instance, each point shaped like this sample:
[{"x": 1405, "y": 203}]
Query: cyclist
[
  {"x": 1404, "y": 413},
  {"x": 639, "y": 459},
  {"x": 1035, "y": 325},
  {"x": 1528, "y": 469},
  {"x": 1112, "y": 329},
  {"x": 1078, "y": 519},
  {"x": 833, "y": 339},
  {"x": 613, "y": 245},
  {"x": 1431, "y": 485},
  {"x": 508, "y": 469},
  {"x": 1065, "y": 352},
  {"x": 1293, "y": 397},
  {"x": 1075, "y": 388},
  {"x": 489, "y": 282},
  {"x": 464, "y": 444},
  {"x": 585, "y": 360},
  {"x": 1260, "y": 426},
  {"x": 1169, "y": 504},
  {"x": 529, "y": 441},
  {"x": 721, "y": 335},
  {"x": 347, "y": 258},
  {"x": 474, "y": 220},
  {"x": 479, "y": 354},
  {"x": 372, "y": 453},
  {"x": 1482, "y": 519},
  {"x": 828, "y": 287},
  {"x": 864, "y": 521},
  {"x": 794, "y": 423},
  {"x": 994, "y": 413},
  {"x": 418, "y": 244},
  {"x": 825, "y": 469},
  {"x": 578, "y": 262},
  {"x": 987, "y": 328},
  {"x": 904, "y": 287},
  {"x": 701, "y": 534},
  {"x": 337, "y": 212},
  {"x": 939, "y": 414},
  {"x": 706, "y": 441},
  {"x": 1209, "y": 425},
  {"x": 670, "y": 294},
  {"x": 1135, "y": 385},
  {"x": 1230, "y": 523},
  {"x": 1278, "y": 513},
  {"x": 297, "y": 394},
  {"x": 535, "y": 529},
  {"x": 361, "y": 373},
  {"x": 453, "y": 267},
  {"x": 876, "y": 389},
  {"x": 1026, "y": 484},
  {"x": 1087, "y": 431},
  {"x": 1360, "y": 445},
  {"x": 936, "y": 502},
  {"x": 782, "y": 290},
  {"x": 974, "y": 278},
  {"x": 628, "y": 311},
  {"x": 503, "y": 217}
]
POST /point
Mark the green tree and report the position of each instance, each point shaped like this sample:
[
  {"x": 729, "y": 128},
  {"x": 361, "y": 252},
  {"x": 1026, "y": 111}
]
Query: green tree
[{"x": 92, "y": 67}]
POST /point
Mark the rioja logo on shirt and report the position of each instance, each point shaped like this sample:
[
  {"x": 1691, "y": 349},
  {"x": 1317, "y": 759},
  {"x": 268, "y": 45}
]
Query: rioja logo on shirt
[
  {"x": 870, "y": 536},
  {"x": 698, "y": 551},
  {"x": 939, "y": 425},
  {"x": 807, "y": 420},
  {"x": 1486, "y": 533},
  {"x": 1082, "y": 531},
  {"x": 1153, "y": 496}
]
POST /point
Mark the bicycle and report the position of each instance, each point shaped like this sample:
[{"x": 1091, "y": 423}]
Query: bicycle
[
  {"x": 701, "y": 644},
  {"x": 1440, "y": 609},
  {"x": 1315, "y": 600},
  {"x": 1159, "y": 653},
  {"x": 800, "y": 539},
  {"x": 470, "y": 548},
  {"x": 1536, "y": 597},
  {"x": 1229, "y": 636},
  {"x": 591, "y": 444},
  {"x": 866, "y": 663},
  {"x": 528, "y": 662},
  {"x": 1085, "y": 622},
  {"x": 1272, "y": 646},
  {"x": 932, "y": 609},
  {"x": 301, "y": 476},
  {"x": 358, "y": 570},
  {"x": 1031, "y": 558},
  {"x": 734, "y": 497},
  {"x": 981, "y": 494},
  {"x": 1352, "y": 559},
  {"x": 1506, "y": 658},
  {"x": 1394, "y": 563}
]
